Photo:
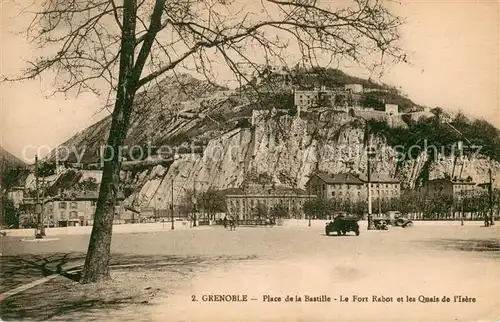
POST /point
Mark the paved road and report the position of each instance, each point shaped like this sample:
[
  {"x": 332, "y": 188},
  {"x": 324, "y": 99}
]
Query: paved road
[{"x": 430, "y": 261}]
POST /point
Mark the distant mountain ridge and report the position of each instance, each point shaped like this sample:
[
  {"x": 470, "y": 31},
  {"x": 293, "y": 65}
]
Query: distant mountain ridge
[
  {"x": 8, "y": 160},
  {"x": 181, "y": 109},
  {"x": 241, "y": 134}
]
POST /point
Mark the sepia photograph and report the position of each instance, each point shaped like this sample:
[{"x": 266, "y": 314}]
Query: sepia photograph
[{"x": 250, "y": 160}]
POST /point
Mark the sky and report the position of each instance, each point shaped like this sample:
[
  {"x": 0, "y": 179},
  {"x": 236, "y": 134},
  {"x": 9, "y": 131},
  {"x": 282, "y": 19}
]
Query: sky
[{"x": 453, "y": 47}]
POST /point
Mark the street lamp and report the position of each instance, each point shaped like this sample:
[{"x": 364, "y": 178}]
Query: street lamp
[
  {"x": 309, "y": 197},
  {"x": 463, "y": 209},
  {"x": 195, "y": 200},
  {"x": 370, "y": 156},
  {"x": 156, "y": 208},
  {"x": 490, "y": 193},
  {"x": 490, "y": 185},
  {"x": 172, "y": 204}
]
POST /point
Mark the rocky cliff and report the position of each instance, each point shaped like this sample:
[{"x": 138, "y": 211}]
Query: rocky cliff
[
  {"x": 8, "y": 160},
  {"x": 288, "y": 149},
  {"x": 211, "y": 146}
]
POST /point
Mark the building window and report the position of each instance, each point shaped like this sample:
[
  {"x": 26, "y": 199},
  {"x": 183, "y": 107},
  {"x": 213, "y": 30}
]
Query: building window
[
  {"x": 73, "y": 215},
  {"x": 333, "y": 193},
  {"x": 93, "y": 203},
  {"x": 73, "y": 205},
  {"x": 62, "y": 205}
]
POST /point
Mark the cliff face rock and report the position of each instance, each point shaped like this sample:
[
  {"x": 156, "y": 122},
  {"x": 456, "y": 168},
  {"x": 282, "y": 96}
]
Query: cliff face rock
[
  {"x": 158, "y": 120},
  {"x": 8, "y": 160},
  {"x": 288, "y": 149},
  {"x": 223, "y": 150}
]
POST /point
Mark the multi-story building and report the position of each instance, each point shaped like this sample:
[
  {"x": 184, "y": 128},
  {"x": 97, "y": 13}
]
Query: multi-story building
[
  {"x": 75, "y": 209},
  {"x": 383, "y": 186},
  {"x": 16, "y": 194},
  {"x": 341, "y": 186},
  {"x": 354, "y": 88},
  {"x": 448, "y": 187},
  {"x": 244, "y": 201},
  {"x": 392, "y": 109},
  {"x": 348, "y": 186},
  {"x": 305, "y": 99},
  {"x": 338, "y": 99}
]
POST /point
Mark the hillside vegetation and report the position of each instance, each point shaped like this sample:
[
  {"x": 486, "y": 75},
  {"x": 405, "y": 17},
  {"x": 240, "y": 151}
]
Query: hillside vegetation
[
  {"x": 13, "y": 171},
  {"x": 157, "y": 121},
  {"x": 433, "y": 132}
]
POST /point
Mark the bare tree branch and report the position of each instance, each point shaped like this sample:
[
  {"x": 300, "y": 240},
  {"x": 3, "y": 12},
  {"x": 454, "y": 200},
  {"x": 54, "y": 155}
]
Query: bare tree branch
[{"x": 113, "y": 49}]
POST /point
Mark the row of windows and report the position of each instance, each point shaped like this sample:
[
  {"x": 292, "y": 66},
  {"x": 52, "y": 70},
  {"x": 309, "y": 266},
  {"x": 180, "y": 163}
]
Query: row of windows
[
  {"x": 465, "y": 187},
  {"x": 255, "y": 202},
  {"x": 349, "y": 186},
  {"x": 72, "y": 204},
  {"x": 386, "y": 185},
  {"x": 339, "y": 193},
  {"x": 72, "y": 215}
]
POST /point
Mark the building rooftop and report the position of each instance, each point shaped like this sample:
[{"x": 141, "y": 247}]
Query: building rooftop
[
  {"x": 379, "y": 178},
  {"x": 456, "y": 181},
  {"x": 264, "y": 189},
  {"x": 350, "y": 178},
  {"x": 82, "y": 195}
]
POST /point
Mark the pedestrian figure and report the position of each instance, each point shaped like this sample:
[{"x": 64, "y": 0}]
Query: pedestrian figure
[
  {"x": 225, "y": 222},
  {"x": 232, "y": 223}
]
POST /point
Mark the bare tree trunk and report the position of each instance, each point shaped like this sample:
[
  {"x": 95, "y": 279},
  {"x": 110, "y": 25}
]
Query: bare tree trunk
[{"x": 98, "y": 254}]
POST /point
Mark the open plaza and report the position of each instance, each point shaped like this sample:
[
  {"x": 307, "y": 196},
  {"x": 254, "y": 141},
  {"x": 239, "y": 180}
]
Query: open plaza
[{"x": 433, "y": 271}]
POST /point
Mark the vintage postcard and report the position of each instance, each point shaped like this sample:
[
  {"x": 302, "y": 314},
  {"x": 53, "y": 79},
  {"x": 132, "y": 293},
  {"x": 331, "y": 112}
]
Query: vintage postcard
[{"x": 249, "y": 160}]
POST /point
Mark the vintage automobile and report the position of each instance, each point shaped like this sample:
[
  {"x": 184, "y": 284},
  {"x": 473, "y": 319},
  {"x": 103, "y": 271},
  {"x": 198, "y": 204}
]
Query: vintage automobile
[
  {"x": 393, "y": 218},
  {"x": 343, "y": 224}
]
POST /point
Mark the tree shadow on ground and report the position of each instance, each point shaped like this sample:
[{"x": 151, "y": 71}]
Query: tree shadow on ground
[
  {"x": 58, "y": 297},
  {"x": 136, "y": 279},
  {"x": 490, "y": 246},
  {"x": 22, "y": 269},
  {"x": 337, "y": 235},
  {"x": 160, "y": 260}
]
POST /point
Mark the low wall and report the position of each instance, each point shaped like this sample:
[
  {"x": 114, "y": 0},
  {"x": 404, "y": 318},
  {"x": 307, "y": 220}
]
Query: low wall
[
  {"x": 183, "y": 225},
  {"x": 86, "y": 230},
  {"x": 364, "y": 223}
]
